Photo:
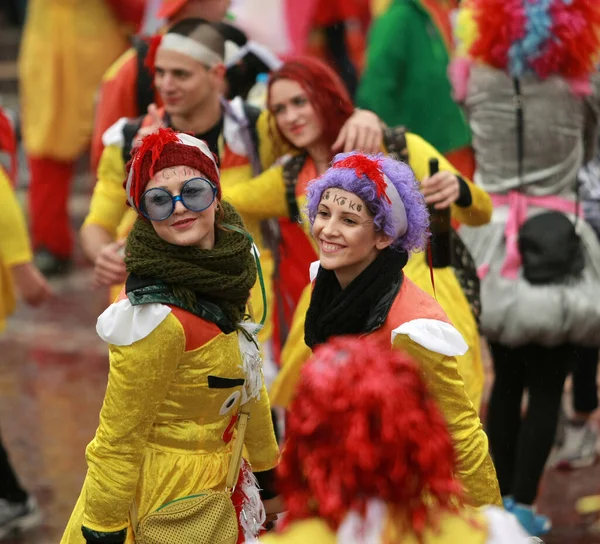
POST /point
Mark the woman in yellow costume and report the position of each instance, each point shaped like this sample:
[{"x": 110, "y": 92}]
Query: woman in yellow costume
[
  {"x": 67, "y": 45},
  {"x": 19, "y": 509},
  {"x": 308, "y": 104},
  {"x": 183, "y": 360},
  {"x": 367, "y": 216},
  {"x": 369, "y": 457}
]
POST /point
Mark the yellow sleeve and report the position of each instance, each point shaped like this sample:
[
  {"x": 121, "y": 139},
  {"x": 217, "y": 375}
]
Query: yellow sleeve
[
  {"x": 109, "y": 202},
  {"x": 260, "y": 439},
  {"x": 14, "y": 240},
  {"x": 474, "y": 464},
  {"x": 293, "y": 356},
  {"x": 263, "y": 197},
  {"x": 139, "y": 377},
  {"x": 419, "y": 153}
]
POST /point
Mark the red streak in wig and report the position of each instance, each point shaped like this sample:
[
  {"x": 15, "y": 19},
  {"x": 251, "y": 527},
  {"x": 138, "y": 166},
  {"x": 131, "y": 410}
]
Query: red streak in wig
[
  {"x": 363, "y": 426},
  {"x": 364, "y": 166},
  {"x": 325, "y": 90}
]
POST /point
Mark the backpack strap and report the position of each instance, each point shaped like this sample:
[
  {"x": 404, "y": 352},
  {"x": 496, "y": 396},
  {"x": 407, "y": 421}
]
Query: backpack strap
[
  {"x": 130, "y": 130},
  {"x": 144, "y": 85},
  {"x": 291, "y": 171}
]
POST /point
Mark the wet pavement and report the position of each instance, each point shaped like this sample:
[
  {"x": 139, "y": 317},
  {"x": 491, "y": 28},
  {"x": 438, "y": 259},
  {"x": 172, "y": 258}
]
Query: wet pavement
[{"x": 53, "y": 371}]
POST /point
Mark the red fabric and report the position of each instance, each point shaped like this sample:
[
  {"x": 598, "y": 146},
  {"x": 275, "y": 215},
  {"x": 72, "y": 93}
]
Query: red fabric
[
  {"x": 329, "y": 12},
  {"x": 130, "y": 12},
  {"x": 49, "y": 191},
  {"x": 8, "y": 143},
  {"x": 117, "y": 99},
  {"x": 296, "y": 255},
  {"x": 463, "y": 159},
  {"x": 299, "y": 15},
  {"x": 169, "y": 8}
]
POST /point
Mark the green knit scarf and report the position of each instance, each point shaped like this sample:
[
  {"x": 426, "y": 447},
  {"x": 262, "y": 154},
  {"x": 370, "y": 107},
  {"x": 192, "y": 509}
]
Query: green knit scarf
[{"x": 222, "y": 275}]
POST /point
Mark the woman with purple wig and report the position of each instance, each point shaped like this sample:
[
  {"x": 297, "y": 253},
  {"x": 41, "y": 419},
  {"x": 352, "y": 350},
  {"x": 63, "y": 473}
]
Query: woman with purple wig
[{"x": 367, "y": 215}]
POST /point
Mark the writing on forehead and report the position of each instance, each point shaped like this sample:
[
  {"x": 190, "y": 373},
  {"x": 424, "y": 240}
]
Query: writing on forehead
[
  {"x": 346, "y": 202},
  {"x": 172, "y": 171}
]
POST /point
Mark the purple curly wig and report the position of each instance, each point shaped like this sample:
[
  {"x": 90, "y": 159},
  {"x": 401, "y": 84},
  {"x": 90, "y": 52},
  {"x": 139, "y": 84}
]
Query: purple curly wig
[{"x": 403, "y": 178}]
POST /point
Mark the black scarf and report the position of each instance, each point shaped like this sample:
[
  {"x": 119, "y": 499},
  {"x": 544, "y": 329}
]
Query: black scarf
[{"x": 334, "y": 311}]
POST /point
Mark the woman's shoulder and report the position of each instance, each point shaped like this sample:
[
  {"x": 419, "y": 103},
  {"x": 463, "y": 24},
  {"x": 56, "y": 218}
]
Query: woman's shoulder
[
  {"x": 123, "y": 324},
  {"x": 417, "y": 316}
]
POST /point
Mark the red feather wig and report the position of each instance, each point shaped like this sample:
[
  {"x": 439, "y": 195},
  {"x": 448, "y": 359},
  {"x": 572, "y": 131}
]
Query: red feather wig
[{"x": 363, "y": 426}]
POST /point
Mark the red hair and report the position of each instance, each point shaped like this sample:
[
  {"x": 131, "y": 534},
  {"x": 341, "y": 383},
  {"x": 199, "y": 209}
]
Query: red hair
[
  {"x": 363, "y": 426},
  {"x": 325, "y": 90}
]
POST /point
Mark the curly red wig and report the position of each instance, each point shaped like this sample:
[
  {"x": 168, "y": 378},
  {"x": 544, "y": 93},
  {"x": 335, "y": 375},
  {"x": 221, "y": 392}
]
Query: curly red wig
[
  {"x": 324, "y": 88},
  {"x": 363, "y": 426}
]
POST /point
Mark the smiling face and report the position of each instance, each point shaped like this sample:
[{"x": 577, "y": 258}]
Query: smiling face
[
  {"x": 295, "y": 116},
  {"x": 346, "y": 236},
  {"x": 184, "y": 227},
  {"x": 185, "y": 84}
]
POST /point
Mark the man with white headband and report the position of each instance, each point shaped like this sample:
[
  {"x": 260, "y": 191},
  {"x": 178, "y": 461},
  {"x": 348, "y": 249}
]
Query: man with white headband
[{"x": 126, "y": 89}]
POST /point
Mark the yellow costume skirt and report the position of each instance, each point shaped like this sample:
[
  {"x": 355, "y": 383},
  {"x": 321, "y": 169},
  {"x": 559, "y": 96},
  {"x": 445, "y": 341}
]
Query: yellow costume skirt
[{"x": 164, "y": 476}]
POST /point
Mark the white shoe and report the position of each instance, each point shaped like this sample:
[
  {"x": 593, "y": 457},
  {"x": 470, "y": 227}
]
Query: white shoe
[
  {"x": 579, "y": 447},
  {"x": 18, "y": 516}
]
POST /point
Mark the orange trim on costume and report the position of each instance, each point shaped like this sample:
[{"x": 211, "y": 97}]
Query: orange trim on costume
[
  {"x": 439, "y": 11},
  {"x": 198, "y": 331},
  {"x": 410, "y": 303},
  {"x": 231, "y": 159},
  {"x": 306, "y": 175},
  {"x": 463, "y": 159}
]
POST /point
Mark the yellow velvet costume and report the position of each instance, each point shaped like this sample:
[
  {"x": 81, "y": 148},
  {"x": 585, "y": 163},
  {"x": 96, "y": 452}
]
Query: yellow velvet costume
[
  {"x": 109, "y": 209},
  {"x": 165, "y": 427},
  {"x": 67, "y": 46},
  {"x": 265, "y": 197},
  {"x": 14, "y": 245}
]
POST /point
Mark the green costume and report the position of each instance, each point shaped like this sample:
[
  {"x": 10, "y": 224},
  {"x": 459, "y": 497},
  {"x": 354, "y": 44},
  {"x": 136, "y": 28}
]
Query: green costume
[{"x": 405, "y": 80}]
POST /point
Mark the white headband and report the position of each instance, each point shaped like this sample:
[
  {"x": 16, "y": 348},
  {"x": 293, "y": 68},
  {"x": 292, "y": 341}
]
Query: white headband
[
  {"x": 184, "y": 139},
  {"x": 398, "y": 209},
  {"x": 191, "y": 48}
]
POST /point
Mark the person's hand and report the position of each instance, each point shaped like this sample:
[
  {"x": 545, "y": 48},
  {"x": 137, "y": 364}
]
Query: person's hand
[
  {"x": 155, "y": 124},
  {"x": 442, "y": 189},
  {"x": 273, "y": 507},
  {"x": 31, "y": 284},
  {"x": 109, "y": 268},
  {"x": 362, "y": 132}
]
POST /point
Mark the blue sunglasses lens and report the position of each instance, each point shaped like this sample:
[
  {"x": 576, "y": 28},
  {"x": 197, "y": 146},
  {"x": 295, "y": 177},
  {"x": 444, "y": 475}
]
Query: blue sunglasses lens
[{"x": 197, "y": 194}]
